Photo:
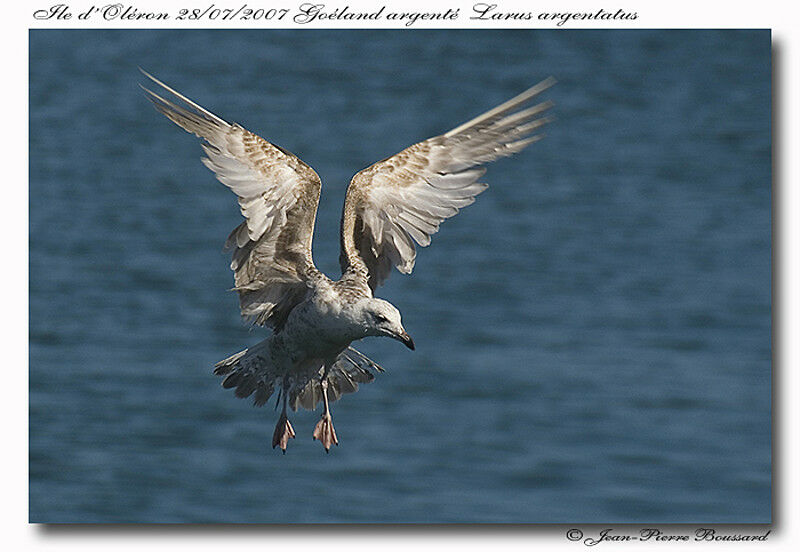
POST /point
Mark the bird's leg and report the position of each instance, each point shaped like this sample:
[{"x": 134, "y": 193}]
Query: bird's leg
[
  {"x": 324, "y": 431},
  {"x": 283, "y": 429}
]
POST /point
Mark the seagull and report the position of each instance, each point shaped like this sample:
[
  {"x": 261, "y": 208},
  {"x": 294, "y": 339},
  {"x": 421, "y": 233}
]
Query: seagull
[{"x": 389, "y": 207}]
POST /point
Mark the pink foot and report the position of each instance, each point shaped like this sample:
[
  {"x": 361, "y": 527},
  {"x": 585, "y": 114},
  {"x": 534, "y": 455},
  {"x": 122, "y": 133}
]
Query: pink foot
[
  {"x": 283, "y": 432},
  {"x": 325, "y": 433}
]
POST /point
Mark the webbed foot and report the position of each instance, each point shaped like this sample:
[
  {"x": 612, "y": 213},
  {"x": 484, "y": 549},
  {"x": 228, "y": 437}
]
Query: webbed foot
[
  {"x": 283, "y": 432},
  {"x": 325, "y": 433}
]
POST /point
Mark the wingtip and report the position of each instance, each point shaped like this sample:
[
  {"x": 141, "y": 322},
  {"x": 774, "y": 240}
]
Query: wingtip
[
  {"x": 542, "y": 86},
  {"x": 174, "y": 93},
  {"x": 147, "y": 91},
  {"x": 151, "y": 77},
  {"x": 514, "y": 103},
  {"x": 150, "y": 95}
]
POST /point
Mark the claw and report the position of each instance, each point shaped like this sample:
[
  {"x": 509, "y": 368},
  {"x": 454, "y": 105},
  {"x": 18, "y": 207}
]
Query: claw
[
  {"x": 325, "y": 433},
  {"x": 283, "y": 432}
]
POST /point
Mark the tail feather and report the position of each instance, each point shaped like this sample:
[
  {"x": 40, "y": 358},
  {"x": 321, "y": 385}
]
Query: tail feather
[
  {"x": 263, "y": 393},
  {"x": 248, "y": 372},
  {"x": 351, "y": 368},
  {"x": 361, "y": 359},
  {"x": 226, "y": 366}
]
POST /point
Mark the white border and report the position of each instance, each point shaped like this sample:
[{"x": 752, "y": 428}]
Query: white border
[{"x": 19, "y": 535}]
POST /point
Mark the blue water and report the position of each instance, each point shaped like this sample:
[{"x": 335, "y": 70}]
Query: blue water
[{"x": 593, "y": 335}]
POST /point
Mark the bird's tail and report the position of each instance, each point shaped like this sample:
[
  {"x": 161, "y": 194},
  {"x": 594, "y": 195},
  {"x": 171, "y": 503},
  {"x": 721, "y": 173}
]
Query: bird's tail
[
  {"x": 249, "y": 372},
  {"x": 351, "y": 368}
]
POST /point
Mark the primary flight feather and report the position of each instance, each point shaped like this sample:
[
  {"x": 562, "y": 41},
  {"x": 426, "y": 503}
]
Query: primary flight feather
[{"x": 390, "y": 207}]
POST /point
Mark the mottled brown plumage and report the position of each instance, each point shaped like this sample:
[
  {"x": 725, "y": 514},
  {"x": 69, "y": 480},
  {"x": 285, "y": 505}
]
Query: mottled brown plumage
[{"x": 390, "y": 208}]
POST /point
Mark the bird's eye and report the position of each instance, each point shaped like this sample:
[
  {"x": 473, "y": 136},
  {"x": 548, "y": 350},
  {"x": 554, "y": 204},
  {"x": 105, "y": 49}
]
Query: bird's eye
[{"x": 380, "y": 319}]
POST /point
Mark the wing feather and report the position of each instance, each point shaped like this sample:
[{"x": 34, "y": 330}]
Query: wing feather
[
  {"x": 278, "y": 196},
  {"x": 401, "y": 201}
]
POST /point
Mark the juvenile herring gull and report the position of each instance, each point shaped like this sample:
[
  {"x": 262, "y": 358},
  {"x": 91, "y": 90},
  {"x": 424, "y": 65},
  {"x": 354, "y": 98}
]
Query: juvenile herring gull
[{"x": 389, "y": 207}]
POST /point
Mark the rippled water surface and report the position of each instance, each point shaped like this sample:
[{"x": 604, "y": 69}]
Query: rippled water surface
[{"x": 593, "y": 335}]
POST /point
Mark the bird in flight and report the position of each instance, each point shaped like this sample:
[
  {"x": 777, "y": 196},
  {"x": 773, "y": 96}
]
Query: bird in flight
[{"x": 388, "y": 207}]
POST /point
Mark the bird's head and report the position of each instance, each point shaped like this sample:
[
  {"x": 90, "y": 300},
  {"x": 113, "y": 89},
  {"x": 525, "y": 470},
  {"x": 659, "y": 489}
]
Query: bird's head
[{"x": 382, "y": 318}]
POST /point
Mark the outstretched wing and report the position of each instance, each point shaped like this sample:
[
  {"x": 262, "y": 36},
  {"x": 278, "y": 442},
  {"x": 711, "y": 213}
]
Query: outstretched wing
[
  {"x": 403, "y": 199},
  {"x": 278, "y": 195}
]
